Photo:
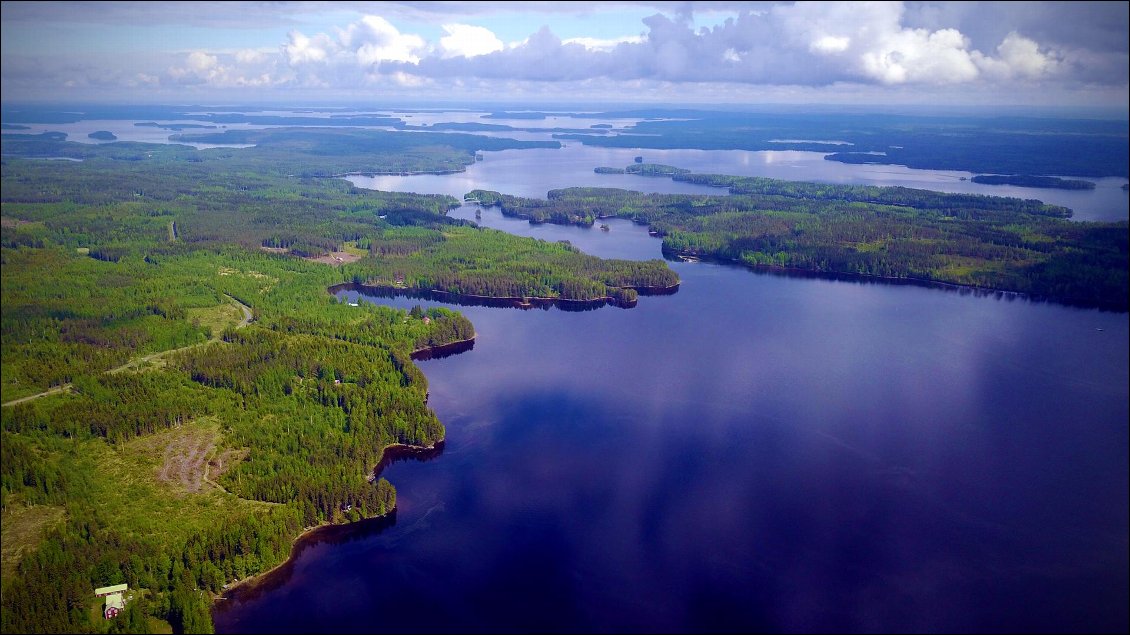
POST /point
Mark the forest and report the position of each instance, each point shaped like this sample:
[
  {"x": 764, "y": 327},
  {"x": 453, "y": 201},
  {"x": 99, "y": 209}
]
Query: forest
[
  {"x": 182, "y": 394},
  {"x": 992, "y": 243},
  {"x": 293, "y": 152},
  {"x": 1027, "y": 180}
]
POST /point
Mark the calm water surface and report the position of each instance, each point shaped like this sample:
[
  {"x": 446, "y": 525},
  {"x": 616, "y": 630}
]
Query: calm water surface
[
  {"x": 754, "y": 453},
  {"x": 535, "y": 172},
  {"x": 532, "y": 173}
]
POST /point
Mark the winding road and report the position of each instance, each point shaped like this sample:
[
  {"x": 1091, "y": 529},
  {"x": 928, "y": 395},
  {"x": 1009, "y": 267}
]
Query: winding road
[{"x": 138, "y": 361}]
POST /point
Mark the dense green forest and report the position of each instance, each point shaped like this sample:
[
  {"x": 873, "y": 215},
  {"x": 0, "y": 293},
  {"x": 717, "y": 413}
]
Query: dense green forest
[
  {"x": 985, "y": 242},
  {"x": 644, "y": 169},
  {"x": 182, "y": 394},
  {"x": 298, "y": 152},
  {"x": 1027, "y": 180}
]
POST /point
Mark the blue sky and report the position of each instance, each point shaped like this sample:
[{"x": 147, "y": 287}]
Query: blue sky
[{"x": 935, "y": 53}]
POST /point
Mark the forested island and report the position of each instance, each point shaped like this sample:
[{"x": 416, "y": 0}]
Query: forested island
[
  {"x": 175, "y": 127},
  {"x": 182, "y": 396},
  {"x": 1027, "y": 180},
  {"x": 644, "y": 169},
  {"x": 984, "y": 242},
  {"x": 103, "y": 135}
]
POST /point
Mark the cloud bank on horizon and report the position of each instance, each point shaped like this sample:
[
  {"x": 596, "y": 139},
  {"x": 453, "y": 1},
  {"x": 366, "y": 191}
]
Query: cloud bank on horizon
[{"x": 917, "y": 52}]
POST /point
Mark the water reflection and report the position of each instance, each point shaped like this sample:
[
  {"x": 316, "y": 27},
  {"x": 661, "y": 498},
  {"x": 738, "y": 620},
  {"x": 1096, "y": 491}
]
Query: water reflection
[
  {"x": 755, "y": 453},
  {"x": 329, "y": 535},
  {"x": 532, "y": 173}
]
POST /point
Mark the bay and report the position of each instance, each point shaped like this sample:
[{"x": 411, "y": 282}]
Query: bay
[{"x": 753, "y": 453}]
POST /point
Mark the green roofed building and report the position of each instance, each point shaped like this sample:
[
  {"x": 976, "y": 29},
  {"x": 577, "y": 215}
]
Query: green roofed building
[{"x": 114, "y": 602}]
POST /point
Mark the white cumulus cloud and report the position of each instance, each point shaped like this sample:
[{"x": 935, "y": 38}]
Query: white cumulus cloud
[
  {"x": 917, "y": 55},
  {"x": 879, "y": 46},
  {"x": 1024, "y": 58},
  {"x": 465, "y": 40},
  {"x": 375, "y": 40},
  {"x": 830, "y": 44},
  {"x": 302, "y": 50},
  {"x": 200, "y": 62},
  {"x": 598, "y": 44}
]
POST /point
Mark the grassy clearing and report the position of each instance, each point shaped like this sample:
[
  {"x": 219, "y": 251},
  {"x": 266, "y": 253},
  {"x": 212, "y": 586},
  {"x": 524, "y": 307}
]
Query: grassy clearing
[
  {"x": 352, "y": 248},
  {"x": 22, "y": 530},
  {"x": 134, "y": 496},
  {"x": 217, "y": 318},
  {"x": 159, "y": 627},
  {"x": 11, "y": 386}
]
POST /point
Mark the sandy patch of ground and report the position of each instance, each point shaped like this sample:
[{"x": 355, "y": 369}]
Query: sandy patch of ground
[
  {"x": 6, "y": 221},
  {"x": 336, "y": 258},
  {"x": 192, "y": 460},
  {"x": 23, "y": 530}
]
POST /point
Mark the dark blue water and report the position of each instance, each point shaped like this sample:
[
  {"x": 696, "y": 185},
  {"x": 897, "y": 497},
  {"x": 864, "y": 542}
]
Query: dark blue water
[{"x": 754, "y": 453}]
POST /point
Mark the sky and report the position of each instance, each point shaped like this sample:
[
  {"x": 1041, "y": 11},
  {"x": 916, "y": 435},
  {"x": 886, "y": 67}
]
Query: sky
[{"x": 1072, "y": 54}]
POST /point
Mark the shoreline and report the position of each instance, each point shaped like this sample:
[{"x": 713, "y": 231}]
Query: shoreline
[
  {"x": 440, "y": 351},
  {"x": 389, "y": 454},
  {"x": 399, "y": 173},
  {"x": 325, "y": 531},
  {"x": 527, "y": 302},
  {"x": 862, "y": 278}
]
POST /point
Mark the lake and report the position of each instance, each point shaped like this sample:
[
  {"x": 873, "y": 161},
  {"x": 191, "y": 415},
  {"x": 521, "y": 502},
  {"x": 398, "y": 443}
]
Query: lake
[
  {"x": 532, "y": 173},
  {"x": 754, "y": 453}
]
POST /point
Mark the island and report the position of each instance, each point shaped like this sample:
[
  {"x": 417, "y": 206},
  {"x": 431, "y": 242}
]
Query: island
[
  {"x": 643, "y": 169},
  {"x": 175, "y": 127},
  {"x": 103, "y": 135},
  {"x": 654, "y": 169},
  {"x": 1027, "y": 180}
]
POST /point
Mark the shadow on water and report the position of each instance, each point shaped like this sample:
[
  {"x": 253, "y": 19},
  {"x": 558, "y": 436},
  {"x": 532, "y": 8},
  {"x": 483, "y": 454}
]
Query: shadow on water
[
  {"x": 443, "y": 350},
  {"x": 278, "y": 577},
  {"x": 398, "y": 453},
  {"x": 329, "y": 534},
  {"x": 864, "y": 279},
  {"x": 524, "y": 303}
]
